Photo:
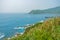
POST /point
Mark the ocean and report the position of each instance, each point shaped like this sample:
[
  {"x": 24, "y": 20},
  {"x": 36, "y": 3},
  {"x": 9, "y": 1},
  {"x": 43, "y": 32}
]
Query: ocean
[{"x": 9, "y": 21}]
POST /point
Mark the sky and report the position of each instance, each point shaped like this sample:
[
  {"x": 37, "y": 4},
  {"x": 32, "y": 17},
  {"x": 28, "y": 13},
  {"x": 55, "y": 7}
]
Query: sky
[{"x": 17, "y": 6}]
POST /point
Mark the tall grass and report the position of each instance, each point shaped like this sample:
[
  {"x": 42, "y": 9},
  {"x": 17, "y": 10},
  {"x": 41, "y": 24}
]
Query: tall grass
[{"x": 48, "y": 30}]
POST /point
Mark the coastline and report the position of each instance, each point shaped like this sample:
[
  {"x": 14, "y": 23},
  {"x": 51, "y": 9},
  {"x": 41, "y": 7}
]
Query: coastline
[{"x": 36, "y": 27}]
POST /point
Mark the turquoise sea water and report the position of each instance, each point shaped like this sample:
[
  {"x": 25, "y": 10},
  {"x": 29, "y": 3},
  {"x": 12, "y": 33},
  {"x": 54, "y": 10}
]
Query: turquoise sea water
[{"x": 9, "y": 21}]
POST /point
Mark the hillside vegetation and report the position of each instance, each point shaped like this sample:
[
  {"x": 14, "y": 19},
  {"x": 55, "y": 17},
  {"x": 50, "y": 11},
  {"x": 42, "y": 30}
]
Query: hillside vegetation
[
  {"x": 50, "y": 10},
  {"x": 48, "y": 30}
]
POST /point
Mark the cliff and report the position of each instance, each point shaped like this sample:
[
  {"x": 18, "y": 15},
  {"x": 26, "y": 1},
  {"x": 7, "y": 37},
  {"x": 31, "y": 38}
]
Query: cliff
[{"x": 47, "y": 30}]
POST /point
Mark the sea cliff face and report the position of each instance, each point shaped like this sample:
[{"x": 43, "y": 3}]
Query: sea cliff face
[{"x": 47, "y": 30}]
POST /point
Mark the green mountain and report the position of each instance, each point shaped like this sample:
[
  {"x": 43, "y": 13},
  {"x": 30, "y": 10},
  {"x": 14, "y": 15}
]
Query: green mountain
[
  {"x": 47, "y": 30},
  {"x": 51, "y": 10},
  {"x": 36, "y": 12}
]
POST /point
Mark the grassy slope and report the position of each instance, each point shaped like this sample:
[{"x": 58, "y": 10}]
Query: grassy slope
[{"x": 48, "y": 30}]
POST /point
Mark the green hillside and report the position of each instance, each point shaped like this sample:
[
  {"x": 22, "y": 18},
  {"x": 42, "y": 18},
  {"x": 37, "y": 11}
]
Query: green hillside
[
  {"x": 48, "y": 30},
  {"x": 36, "y": 12},
  {"x": 51, "y": 10}
]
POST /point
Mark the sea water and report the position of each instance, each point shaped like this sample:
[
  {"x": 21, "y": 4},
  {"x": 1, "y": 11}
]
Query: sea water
[{"x": 9, "y": 21}]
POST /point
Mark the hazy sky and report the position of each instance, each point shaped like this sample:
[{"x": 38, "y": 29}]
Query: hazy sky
[{"x": 14, "y": 6}]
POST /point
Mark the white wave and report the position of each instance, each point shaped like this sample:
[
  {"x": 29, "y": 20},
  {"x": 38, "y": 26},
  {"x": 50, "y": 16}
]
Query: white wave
[
  {"x": 1, "y": 35},
  {"x": 21, "y": 33},
  {"x": 42, "y": 21},
  {"x": 19, "y": 28}
]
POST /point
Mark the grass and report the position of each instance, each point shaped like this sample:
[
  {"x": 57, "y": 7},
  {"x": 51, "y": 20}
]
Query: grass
[{"x": 48, "y": 30}]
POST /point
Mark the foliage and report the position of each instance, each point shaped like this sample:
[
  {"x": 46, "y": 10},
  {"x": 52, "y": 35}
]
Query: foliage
[
  {"x": 51, "y": 10},
  {"x": 48, "y": 30}
]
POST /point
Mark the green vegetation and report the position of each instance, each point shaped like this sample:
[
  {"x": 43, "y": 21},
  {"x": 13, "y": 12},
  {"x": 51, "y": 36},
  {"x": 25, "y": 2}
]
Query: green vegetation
[
  {"x": 51, "y": 10},
  {"x": 48, "y": 30},
  {"x": 36, "y": 12}
]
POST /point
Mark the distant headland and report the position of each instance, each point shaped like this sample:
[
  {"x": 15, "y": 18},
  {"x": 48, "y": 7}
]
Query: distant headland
[{"x": 51, "y": 10}]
